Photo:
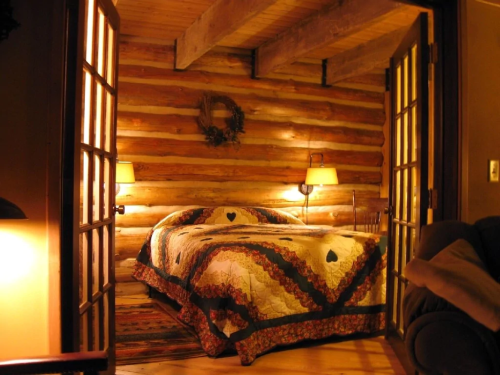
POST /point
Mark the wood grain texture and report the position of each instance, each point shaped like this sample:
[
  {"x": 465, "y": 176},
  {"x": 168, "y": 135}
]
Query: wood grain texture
[
  {"x": 128, "y": 241},
  {"x": 364, "y": 58},
  {"x": 167, "y": 20},
  {"x": 331, "y": 356},
  {"x": 287, "y": 117},
  {"x": 174, "y": 147},
  {"x": 130, "y": 288},
  {"x": 148, "y": 205},
  {"x": 208, "y": 29},
  {"x": 224, "y": 173},
  {"x": 160, "y": 75},
  {"x": 228, "y": 62},
  {"x": 276, "y": 130},
  {"x": 370, "y": 79},
  {"x": 159, "y": 19},
  {"x": 208, "y": 196},
  {"x": 323, "y": 28},
  {"x": 177, "y": 96}
]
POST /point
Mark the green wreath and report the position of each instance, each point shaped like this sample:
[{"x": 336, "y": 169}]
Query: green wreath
[{"x": 234, "y": 124}]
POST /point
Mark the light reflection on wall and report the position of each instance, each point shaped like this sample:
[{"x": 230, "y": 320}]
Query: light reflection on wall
[
  {"x": 24, "y": 298},
  {"x": 17, "y": 258},
  {"x": 122, "y": 190},
  {"x": 293, "y": 195}
]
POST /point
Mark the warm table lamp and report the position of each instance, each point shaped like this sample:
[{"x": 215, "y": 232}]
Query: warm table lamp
[
  {"x": 124, "y": 174},
  {"x": 321, "y": 176},
  {"x": 317, "y": 176}
]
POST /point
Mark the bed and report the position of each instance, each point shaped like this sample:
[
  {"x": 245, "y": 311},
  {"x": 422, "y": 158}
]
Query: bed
[{"x": 251, "y": 278}]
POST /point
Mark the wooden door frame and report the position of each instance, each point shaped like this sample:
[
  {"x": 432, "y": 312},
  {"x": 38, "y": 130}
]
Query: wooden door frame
[
  {"x": 420, "y": 123},
  {"x": 447, "y": 116},
  {"x": 70, "y": 174},
  {"x": 75, "y": 11},
  {"x": 447, "y": 135},
  {"x": 447, "y": 124}
]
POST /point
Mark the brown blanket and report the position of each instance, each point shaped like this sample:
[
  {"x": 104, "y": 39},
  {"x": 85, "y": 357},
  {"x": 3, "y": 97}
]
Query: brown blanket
[{"x": 460, "y": 277}]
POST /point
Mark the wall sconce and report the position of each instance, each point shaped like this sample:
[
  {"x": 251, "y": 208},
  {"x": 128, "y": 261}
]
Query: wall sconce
[
  {"x": 9, "y": 210},
  {"x": 317, "y": 176},
  {"x": 124, "y": 175}
]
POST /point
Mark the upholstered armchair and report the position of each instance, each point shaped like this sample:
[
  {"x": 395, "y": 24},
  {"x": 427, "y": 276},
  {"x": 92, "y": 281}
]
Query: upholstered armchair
[{"x": 452, "y": 303}]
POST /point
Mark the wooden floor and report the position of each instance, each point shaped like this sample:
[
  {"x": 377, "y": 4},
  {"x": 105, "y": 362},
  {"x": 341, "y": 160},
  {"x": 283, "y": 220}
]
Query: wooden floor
[{"x": 363, "y": 356}]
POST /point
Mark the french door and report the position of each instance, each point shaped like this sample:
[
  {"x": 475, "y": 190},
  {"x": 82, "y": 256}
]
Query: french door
[
  {"x": 89, "y": 157},
  {"x": 409, "y": 161}
]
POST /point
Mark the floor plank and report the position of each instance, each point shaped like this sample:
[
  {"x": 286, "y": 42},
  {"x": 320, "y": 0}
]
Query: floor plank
[
  {"x": 362, "y": 356},
  {"x": 367, "y": 356}
]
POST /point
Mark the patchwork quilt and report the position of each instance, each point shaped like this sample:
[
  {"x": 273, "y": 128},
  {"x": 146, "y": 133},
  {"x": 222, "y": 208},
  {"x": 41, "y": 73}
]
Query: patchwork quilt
[{"x": 249, "y": 280}]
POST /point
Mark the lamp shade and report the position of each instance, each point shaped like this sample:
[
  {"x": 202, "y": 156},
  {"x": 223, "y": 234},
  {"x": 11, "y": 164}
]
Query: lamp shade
[
  {"x": 9, "y": 210},
  {"x": 321, "y": 176},
  {"x": 125, "y": 172}
]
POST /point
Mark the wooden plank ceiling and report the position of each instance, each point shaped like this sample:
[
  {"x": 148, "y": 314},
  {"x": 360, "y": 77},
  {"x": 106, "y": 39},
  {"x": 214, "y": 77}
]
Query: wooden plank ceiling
[{"x": 352, "y": 36}]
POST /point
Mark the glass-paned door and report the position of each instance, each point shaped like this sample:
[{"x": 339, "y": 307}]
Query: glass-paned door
[
  {"x": 90, "y": 299},
  {"x": 409, "y": 160}
]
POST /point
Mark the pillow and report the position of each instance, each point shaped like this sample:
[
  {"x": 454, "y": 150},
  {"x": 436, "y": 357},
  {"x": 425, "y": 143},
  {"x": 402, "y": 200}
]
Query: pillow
[
  {"x": 489, "y": 230},
  {"x": 229, "y": 215},
  {"x": 458, "y": 275}
]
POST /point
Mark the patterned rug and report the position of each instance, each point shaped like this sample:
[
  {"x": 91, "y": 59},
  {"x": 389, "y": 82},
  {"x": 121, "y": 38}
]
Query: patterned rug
[{"x": 149, "y": 332}]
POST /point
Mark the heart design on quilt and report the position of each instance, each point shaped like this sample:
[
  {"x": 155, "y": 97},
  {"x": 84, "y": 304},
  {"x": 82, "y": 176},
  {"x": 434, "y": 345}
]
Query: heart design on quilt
[
  {"x": 331, "y": 257},
  {"x": 231, "y": 216}
]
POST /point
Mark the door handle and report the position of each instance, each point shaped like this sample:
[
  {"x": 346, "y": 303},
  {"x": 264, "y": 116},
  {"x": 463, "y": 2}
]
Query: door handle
[{"x": 120, "y": 209}]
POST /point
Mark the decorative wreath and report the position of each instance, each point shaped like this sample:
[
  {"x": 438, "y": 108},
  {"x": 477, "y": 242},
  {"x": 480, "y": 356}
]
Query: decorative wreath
[{"x": 234, "y": 124}]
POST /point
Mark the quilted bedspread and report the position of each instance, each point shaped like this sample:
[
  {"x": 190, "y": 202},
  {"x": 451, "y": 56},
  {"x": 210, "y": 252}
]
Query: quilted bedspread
[{"x": 252, "y": 287}]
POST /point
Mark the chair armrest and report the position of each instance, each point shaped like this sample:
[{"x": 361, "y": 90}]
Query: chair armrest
[
  {"x": 448, "y": 342},
  {"x": 86, "y": 362},
  {"x": 419, "y": 301}
]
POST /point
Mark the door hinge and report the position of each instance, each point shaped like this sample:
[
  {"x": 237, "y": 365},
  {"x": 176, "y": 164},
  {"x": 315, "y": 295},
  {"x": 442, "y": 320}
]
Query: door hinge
[
  {"x": 433, "y": 199},
  {"x": 433, "y": 53}
]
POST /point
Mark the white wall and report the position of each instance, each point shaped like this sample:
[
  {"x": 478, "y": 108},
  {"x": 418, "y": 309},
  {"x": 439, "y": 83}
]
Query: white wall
[
  {"x": 29, "y": 140},
  {"x": 480, "y": 58}
]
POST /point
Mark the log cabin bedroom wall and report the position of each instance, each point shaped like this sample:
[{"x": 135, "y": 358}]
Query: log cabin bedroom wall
[{"x": 289, "y": 114}]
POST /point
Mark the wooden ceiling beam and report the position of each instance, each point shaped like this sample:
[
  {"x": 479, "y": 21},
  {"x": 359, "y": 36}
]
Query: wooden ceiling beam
[
  {"x": 221, "y": 19},
  {"x": 364, "y": 58},
  {"x": 323, "y": 28}
]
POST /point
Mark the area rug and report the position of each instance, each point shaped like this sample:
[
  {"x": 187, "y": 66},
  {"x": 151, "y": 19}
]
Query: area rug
[{"x": 149, "y": 332}]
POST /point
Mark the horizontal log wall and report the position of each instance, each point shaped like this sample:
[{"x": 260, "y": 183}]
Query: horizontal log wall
[{"x": 288, "y": 116}]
